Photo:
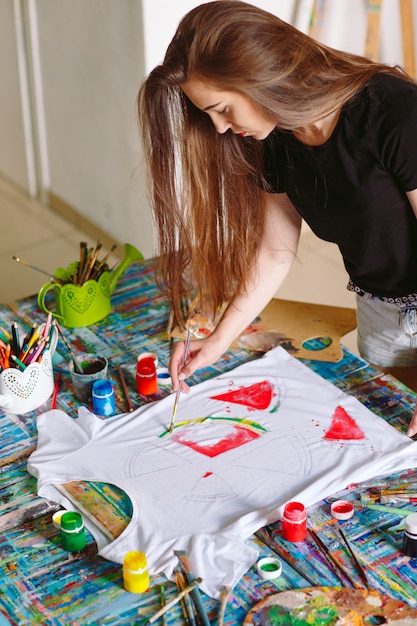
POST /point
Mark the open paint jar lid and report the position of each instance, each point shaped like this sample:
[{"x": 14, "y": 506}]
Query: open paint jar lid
[
  {"x": 269, "y": 568},
  {"x": 56, "y": 518},
  {"x": 163, "y": 376},
  {"x": 342, "y": 509}
]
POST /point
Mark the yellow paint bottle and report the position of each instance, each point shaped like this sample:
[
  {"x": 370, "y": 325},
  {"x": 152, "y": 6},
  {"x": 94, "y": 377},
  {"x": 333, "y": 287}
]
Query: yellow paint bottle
[{"x": 135, "y": 572}]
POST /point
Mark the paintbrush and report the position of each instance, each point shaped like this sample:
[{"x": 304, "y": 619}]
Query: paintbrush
[
  {"x": 77, "y": 366},
  {"x": 399, "y": 498},
  {"x": 330, "y": 557},
  {"x": 125, "y": 389},
  {"x": 361, "y": 571},
  {"x": 386, "y": 509},
  {"x": 169, "y": 329},
  {"x": 171, "y": 603},
  {"x": 102, "y": 262},
  {"x": 83, "y": 248},
  {"x": 162, "y": 601},
  {"x": 224, "y": 595},
  {"x": 186, "y": 605},
  {"x": 177, "y": 395},
  {"x": 189, "y": 578},
  {"x": 51, "y": 277},
  {"x": 265, "y": 536},
  {"x": 91, "y": 263}
]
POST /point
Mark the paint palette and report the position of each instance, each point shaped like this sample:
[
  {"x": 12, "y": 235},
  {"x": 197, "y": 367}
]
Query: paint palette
[
  {"x": 329, "y": 606},
  {"x": 305, "y": 330}
]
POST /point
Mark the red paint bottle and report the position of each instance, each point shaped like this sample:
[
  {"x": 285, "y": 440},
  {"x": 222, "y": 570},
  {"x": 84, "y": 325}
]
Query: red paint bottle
[
  {"x": 294, "y": 522},
  {"x": 146, "y": 379}
]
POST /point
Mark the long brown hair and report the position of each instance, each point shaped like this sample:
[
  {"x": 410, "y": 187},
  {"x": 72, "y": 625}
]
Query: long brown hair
[{"x": 205, "y": 188}]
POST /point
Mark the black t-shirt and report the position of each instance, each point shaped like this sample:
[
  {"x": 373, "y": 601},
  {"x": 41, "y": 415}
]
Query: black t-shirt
[{"x": 351, "y": 190}]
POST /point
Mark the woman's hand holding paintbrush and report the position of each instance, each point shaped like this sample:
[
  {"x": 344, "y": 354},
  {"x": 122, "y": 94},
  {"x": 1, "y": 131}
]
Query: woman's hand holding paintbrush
[{"x": 182, "y": 362}]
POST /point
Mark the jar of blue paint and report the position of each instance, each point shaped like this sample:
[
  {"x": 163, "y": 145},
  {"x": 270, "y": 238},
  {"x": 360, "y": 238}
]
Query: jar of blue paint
[{"x": 102, "y": 395}]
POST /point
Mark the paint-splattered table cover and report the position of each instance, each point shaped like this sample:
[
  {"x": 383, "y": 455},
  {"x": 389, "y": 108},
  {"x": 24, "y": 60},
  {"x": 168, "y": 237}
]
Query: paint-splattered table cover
[{"x": 43, "y": 584}]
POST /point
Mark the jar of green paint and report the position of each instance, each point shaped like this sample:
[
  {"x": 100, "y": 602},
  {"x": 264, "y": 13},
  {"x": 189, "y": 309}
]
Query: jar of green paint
[{"x": 72, "y": 532}]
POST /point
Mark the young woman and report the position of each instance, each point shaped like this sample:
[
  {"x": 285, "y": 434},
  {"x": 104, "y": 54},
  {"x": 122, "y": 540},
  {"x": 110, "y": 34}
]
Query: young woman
[{"x": 250, "y": 126}]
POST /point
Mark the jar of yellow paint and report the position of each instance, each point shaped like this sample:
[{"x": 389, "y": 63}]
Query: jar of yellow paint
[{"x": 135, "y": 572}]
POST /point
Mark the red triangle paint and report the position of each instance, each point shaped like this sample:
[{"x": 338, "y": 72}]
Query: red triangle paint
[
  {"x": 257, "y": 396},
  {"x": 343, "y": 426}
]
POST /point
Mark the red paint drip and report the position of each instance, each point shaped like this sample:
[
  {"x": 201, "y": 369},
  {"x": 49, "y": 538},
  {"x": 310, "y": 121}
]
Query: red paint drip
[
  {"x": 343, "y": 427},
  {"x": 257, "y": 396}
]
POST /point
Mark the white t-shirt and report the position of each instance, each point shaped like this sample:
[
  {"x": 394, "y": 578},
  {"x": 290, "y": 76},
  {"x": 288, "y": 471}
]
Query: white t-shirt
[{"x": 244, "y": 444}]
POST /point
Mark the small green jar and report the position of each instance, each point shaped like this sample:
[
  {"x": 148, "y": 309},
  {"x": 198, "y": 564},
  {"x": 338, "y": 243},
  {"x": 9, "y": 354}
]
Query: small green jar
[{"x": 72, "y": 532}]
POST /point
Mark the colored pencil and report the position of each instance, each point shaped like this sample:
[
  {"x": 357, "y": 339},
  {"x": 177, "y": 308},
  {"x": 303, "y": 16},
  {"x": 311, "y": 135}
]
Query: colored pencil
[
  {"x": 18, "y": 361},
  {"x": 124, "y": 387},
  {"x": 330, "y": 557},
  {"x": 15, "y": 340},
  {"x": 174, "y": 601},
  {"x": 56, "y": 388},
  {"x": 177, "y": 395},
  {"x": 361, "y": 571}
]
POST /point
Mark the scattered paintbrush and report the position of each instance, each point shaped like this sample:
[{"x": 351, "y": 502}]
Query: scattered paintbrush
[
  {"x": 330, "y": 557},
  {"x": 399, "y": 498},
  {"x": 177, "y": 396},
  {"x": 190, "y": 578},
  {"x": 162, "y": 602},
  {"x": 171, "y": 603},
  {"x": 224, "y": 595},
  {"x": 186, "y": 606},
  {"x": 386, "y": 509},
  {"x": 125, "y": 389},
  {"x": 361, "y": 571},
  {"x": 267, "y": 538}
]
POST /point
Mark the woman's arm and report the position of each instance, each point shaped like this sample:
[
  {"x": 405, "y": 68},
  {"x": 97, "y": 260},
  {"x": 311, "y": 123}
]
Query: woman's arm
[{"x": 277, "y": 253}]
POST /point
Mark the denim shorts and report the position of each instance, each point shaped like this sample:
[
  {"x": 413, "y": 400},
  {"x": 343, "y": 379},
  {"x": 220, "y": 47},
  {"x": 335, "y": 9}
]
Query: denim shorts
[{"x": 387, "y": 332}]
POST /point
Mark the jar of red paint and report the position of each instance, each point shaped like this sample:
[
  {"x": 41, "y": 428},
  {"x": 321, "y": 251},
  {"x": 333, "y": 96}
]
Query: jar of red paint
[
  {"x": 146, "y": 379},
  {"x": 294, "y": 522}
]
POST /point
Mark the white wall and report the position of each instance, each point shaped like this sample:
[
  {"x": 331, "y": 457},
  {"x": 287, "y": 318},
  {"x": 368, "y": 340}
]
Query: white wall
[
  {"x": 92, "y": 63},
  {"x": 16, "y": 149},
  {"x": 93, "y": 55}
]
